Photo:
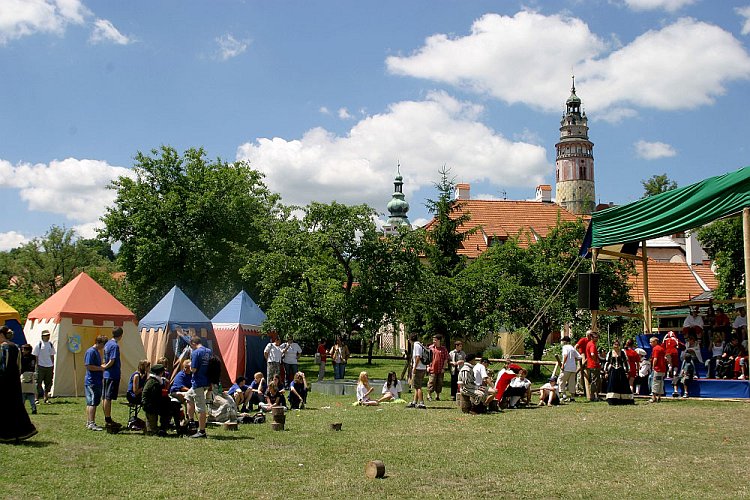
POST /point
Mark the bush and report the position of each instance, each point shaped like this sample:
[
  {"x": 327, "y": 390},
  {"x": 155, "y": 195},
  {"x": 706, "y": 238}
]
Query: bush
[{"x": 493, "y": 352}]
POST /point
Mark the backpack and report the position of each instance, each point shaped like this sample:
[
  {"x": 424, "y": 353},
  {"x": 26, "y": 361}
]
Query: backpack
[
  {"x": 426, "y": 356},
  {"x": 213, "y": 372}
]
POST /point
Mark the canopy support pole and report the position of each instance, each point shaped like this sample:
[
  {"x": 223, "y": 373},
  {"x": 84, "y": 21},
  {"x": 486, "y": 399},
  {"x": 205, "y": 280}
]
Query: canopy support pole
[
  {"x": 594, "y": 322},
  {"x": 646, "y": 300},
  {"x": 746, "y": 241}
]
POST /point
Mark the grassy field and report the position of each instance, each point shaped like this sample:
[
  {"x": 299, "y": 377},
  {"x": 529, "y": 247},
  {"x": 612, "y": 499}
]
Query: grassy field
[{"x": 686, "y": 449}]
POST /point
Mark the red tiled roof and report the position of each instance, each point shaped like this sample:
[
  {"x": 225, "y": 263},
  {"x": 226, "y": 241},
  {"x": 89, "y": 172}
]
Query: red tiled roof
[
  {"x": 670, "y": 281},
  {"x": 504, "y": 219}
]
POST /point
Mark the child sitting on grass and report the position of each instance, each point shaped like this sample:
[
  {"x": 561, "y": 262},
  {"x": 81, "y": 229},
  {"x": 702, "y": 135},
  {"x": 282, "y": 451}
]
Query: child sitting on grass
[
  {"x": 549, "y": 394},
  {"x": 298, "y": 391},
  {"x": 364, "y": 390},
  {"x": 391, "y": 388},
  {"x": 274, "y": 397}
]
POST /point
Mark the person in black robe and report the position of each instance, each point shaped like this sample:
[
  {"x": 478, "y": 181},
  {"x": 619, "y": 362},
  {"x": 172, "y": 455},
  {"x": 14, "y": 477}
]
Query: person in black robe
[
  {"x": 618, "y": 385},
  {"x": 15, "y": 424}
]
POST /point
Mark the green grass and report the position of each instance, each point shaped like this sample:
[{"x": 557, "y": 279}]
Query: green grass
[
  {"x": 377, "y": 370},
  {"x": 687, "y": 449}
]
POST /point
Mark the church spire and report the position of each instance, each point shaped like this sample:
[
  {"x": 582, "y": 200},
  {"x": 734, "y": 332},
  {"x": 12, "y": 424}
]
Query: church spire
[{"x": 398, "y": 206}]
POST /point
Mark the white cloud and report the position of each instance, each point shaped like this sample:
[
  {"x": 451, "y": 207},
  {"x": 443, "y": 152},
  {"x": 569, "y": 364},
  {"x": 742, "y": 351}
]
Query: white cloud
[
  {"x": 74, "y": 188},
  {"x": 668, "y": 5},
  {"x": 423, "y": 135},
  {"x": 420, "y": 222},
  {"x": 20, "y": 18},
  {"x": 344, "y": 114},
  {"x": 230, "y": 47},
  {"x": 653, "y": 150},
  {"x": 324, "y": 111},
  {"x": 104, "y": 31},
  {"x": 12, "y": 239},
  {"x": 611, "y": 79},
  {"x": 744, "y": 12}
]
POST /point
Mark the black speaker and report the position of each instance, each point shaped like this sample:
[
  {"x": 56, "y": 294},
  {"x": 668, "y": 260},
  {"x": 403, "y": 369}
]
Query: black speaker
[{"x": 588, "y": 291}]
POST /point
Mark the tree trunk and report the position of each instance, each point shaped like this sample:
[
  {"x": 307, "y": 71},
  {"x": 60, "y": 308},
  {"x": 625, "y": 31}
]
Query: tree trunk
[{"x": 369, "y": 350}]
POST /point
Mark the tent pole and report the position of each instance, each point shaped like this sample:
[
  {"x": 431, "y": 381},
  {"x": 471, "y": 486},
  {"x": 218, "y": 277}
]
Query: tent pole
[
  {"x": 646, "y": 301},
  {"x": 746, "y": 241},
  {"x": 594, "y": 322}
]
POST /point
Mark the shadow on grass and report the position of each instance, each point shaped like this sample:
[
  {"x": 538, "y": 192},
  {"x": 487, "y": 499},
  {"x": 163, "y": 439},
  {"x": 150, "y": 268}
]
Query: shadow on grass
[
  {"x": 229, "y": 438},
  {"x": 34, "y": 443}
]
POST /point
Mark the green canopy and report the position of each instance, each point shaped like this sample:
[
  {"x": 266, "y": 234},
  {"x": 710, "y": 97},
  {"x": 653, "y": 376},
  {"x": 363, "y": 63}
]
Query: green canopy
[{"x": 673, "y": 211}]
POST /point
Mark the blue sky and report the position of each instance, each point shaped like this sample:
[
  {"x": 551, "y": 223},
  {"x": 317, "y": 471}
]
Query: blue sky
[{"x": 326, "y": 97}]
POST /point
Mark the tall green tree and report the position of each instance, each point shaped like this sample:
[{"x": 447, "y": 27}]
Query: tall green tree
[
  {"x": 657, "y": 184},
  {"x": 185, "y": 220},
  {"x": 332, "y": 272},
  {"x": 722, "y": 241}
]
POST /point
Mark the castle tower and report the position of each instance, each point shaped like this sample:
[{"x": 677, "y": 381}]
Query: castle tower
[
  {"x": 574, "y": 164},
  {"x": 398, "y": 206}
]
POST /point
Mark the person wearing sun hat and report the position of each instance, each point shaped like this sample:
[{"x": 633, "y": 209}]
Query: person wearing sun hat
[{"x": 549, "y": 393}]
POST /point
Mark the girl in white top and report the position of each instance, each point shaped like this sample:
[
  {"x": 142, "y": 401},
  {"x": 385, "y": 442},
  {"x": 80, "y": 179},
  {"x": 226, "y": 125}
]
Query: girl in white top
[
  {"x": 364, "y": 390},
  {"x": 391, "y": 388}
]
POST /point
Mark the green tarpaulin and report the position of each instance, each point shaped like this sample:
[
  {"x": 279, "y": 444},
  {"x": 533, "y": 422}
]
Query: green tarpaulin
[{"x": 674, "y": 211}]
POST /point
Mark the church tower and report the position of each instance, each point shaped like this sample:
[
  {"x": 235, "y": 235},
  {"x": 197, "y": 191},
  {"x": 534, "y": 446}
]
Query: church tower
[
  {"x": 574, "y": 164},
  {"x": 398, "y": 206}
]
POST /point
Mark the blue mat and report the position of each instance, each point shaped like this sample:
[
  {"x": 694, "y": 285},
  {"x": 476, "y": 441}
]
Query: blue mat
[{"x": 714, "y": 388}]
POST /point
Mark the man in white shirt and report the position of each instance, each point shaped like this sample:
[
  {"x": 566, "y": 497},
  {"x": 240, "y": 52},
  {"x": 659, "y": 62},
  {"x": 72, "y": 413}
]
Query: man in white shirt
[
  {"x": 482, "y": 378},
  {"x": 272, "y": 353},
  {"x": 570, "y": 357},
  {"x": 418, "y": 371},
  {"x": 291, "y": 352},
  {"x": 693, "y": 325},
  {"x": 740, "y": 323},
  {"x": 45, "y": 366}
]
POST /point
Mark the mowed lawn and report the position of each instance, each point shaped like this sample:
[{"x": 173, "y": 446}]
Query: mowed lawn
[{"x": 676, "y": 449}]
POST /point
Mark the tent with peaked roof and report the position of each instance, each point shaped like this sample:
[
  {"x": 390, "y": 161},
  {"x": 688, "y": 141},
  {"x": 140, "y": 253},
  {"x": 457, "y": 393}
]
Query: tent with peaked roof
[
  {"x": 159, "y": 327},
  {"x": 10, "y": 318},
  {"x": 75, "y": 316},
  {"x": 238, "y": 333}
]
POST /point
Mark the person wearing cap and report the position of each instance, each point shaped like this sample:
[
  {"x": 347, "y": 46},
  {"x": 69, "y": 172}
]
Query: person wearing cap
[
  {"x": 93, "y": 382},
  {"x": 112, "y": 374},
  {"x": 456, "y": 359},
  {"x": 593, "y": 369},
  {"x": 45, "y": 366},
  {"x": 549, "y": 393},
  {"x": 570, "y": 358},
  {"x": 201, "y": 386}
]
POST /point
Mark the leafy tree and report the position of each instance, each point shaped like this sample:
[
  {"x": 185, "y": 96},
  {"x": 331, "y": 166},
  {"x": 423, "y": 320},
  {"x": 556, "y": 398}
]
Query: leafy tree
[
  {"x": 657, "y": 184},
  {"x": 38, "y": 269},
  {"x": 332, "y": 272},
  {"x": 722, "y": 240},
  {"x": 185, "y": 220},
  {"x": 509, "y": 286}
]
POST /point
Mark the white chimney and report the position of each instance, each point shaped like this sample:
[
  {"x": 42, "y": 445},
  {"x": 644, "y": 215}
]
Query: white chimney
[
  {"x": 694, "y": 253},
  {"x": 543, "y": 193},
  {"x": 462, "y": 192}
]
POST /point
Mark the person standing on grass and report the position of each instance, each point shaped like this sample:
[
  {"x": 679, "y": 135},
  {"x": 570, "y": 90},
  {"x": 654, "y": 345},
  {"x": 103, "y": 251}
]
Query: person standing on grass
[
  {"x": 201, "y": 387},
  {"x": 582, "y": 374},
  {"x": 456, "y": 359},
  {"x": 570, "y": 358},
  {"x": 28, "y": 372},
  {"x": 291, "y": 352},
  {"x": 339, "y": 355},
  {"x": 15, "y": 424},
  {"x": 437, "y": 367},
  {"x": 593, "y": 368},
  {"x": 45, "y": 366},
  {"x": 418, "y": 371},
  {"x": 112, "y": 375},
  {"x": 659, "y": 367},
  {"x": 321, "y": 355},
  {"x": 634, "y": 361},
  {"x": 94, "y": 381},
  {"x": 272, "y": 353}
]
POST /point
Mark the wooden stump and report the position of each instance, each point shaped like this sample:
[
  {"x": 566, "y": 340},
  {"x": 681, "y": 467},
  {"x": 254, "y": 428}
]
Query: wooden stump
[
  {"x": 375, "y": 469},
  {"x": 464, "y": 403},
  {"x": 230, "y": 426},
  {"x": 279, "y": 419},
  {"x": 277, "y": 426},
  {"x": 336, "y": 426},
  {"x": 278, "y": 410}
]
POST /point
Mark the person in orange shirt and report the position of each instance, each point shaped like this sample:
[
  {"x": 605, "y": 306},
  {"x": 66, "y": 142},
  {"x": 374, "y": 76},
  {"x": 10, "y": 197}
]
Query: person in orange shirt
[{"x": 594, "y": 368}]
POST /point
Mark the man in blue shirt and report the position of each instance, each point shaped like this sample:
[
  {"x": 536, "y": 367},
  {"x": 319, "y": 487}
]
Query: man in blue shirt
[
  {"x": 111, "y": 368},
  {"x": 200, "y": 384},
  {"x": 92, "y": 385}
]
